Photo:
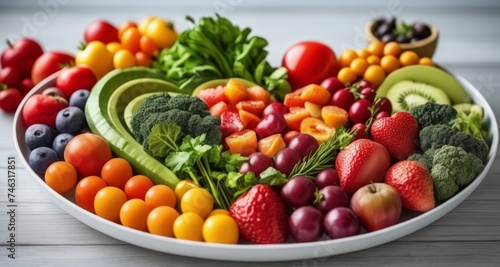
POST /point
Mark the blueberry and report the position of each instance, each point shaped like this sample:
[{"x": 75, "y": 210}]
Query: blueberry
[
  {"x": 60, "y": 142},
  {"x": 40, "y": 159},
  {"x": 38, "y": 135},
  {"x": 70, "y": 120},
  {"x": 79, "y": 98}
]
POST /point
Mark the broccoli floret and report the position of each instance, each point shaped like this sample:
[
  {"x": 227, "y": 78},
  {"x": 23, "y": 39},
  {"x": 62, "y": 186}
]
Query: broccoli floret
[
  {"x": 188, "y": 103},
  {"x": 453, "y": 168},
  {"x": 190, "y": 113},
  {"x": 438, "y": 135},
  {"x": 425, "y": 158},
  {"x": 208, "y": 125},
  {"x": 432, "y": 113}
]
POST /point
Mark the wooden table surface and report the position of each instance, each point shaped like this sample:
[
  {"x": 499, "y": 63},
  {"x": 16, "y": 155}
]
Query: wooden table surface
[{"x": 469, "y": 45}]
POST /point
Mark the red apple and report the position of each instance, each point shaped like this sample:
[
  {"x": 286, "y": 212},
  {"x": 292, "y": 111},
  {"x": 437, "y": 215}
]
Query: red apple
[{"x": 377, "y": 205}]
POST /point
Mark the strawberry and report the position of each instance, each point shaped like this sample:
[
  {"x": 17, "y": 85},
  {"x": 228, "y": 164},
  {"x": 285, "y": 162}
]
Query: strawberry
[
  {"x": 260, "y": 214},
  {"x": 398, "y": 133},
  {"x": 361, "y": 162},
  {"x": 414, "y": 184}
]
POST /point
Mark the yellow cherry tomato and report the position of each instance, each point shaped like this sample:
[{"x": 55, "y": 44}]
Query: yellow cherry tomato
[
  {"x": 189, "y": 226},
  {"x": 134, "y": 214},
  {"x": 197, "y": 200},
  {"x": 363, "y": 52},
  {"x": 182, "y": 187},
  {"x": 392, "y": 48},
  {"x": 220, "y": 228},
  {"x": 376, "y": 48},
  {"x": 426, "y": 61},
  {"x": 408, "y": 58},
  {"x": 346, "y": 75},
  {"x": 114, "y": 47},
  {"x": 347, "y": 57},
  {"x": 389, "y": 63},
  {"x": 374, "y": 74},
  {"x": 218, "y": 211},
  {"x": 108, "y": 202},
  {"x": 160, "y": 195},
  {"x": 61, "y": 176},
  {"x": 97, "y": 57},
  {"x": 359, "y": 66},
  {"x": 373, "y": 60},
  {"x": 123, "y": 59},
  {"x": 161, "y": 221},
  {"x": 162, "y": 32}
]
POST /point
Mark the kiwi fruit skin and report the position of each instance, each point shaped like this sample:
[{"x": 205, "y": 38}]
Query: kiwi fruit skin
[{"x": 406, "y": 94}]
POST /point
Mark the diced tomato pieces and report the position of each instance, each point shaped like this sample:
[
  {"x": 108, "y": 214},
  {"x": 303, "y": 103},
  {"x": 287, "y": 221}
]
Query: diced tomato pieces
[
  {"x": 230, "y": 122},
  {"x": 212, "y": 96},
  {"x": 255, "y": 107},
  {"x": 257, "y": 93},
  {"x": 295, "y": 116},
  {"x": 271, "y": 145},
  {"x": 248, "y": 119},
  {"x": 243, "y": 142},
  {"x": 235, "y": 92},
  {"x": 219, "y": 108}
]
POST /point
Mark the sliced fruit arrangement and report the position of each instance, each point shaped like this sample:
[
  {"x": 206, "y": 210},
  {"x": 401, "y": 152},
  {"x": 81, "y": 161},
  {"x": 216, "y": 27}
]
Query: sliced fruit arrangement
[{"x": 221, "y": 149}]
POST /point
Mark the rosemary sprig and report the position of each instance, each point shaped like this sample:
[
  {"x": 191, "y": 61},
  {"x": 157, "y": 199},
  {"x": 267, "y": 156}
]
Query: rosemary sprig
[{"x": 324, "y": 156}]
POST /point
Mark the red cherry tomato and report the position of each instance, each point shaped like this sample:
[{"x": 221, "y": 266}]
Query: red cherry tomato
[
  {"x": 75, "y": 78},
  {"x": 49, "y": 63},
  {"x": 101, "y": 30},
  {"x": 88, "y": 153},
  {"x": 43, "y": 109},
  {"x": 21, "y": 55},
  {"x": 10, "y": 99},
  {"x": 10, "y": 76},
  {"x": 309, "y": 62},
  {"x": 25, "y": 86}
]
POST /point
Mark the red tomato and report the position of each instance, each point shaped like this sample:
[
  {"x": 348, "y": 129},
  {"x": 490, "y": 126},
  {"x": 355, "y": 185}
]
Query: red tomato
[
  {"x": 43, "y": 109},
  {"x": 101, "y": 30},
  {"x": 49, "y": 63},
  {"x": 309, "y": 62},
  {"x": 26, "y": 85},
  {"x": 75, "y": 78},
  {"x": 10, "y": 76},
  {"x": 21, "y": 55},
  {"x": 10, "y": 99},
  {"x": 88, "y": 153}
]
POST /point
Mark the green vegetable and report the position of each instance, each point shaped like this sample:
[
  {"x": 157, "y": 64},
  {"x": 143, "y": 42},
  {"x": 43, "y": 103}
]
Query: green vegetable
[
  {"x": 453, "y": 168},
  {"x": 432, "y": 113},
  {"x": 436, "y": 136},
  {"x": 188, "y": 112},
  {"x": 324, "y": 156},
  {"x": 98, "y": 119},
  {"x": 471, "y": 123},
  {"x": 214, "y": 49},
  {"x": 424, "y": 157}
]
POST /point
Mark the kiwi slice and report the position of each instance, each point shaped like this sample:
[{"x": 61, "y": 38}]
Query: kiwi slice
[
  {"x": 407, "y": 94},
  {"x": 469, "y": 108}
]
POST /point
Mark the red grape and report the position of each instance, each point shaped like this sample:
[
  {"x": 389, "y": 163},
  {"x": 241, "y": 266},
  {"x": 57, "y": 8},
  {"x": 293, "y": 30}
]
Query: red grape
[
  {"x": 298, "y": 192},
  {"x": 332, "y": 84},
  {"x": 341, "y": 222},
  {"x": 368, "y": 94},
  {"x": 361, "y": 131},
  {"x": 305, "y": 144},
  {"x": 343, "y": 98},
  {"x": 275, "y": 107},
  {"x": 332, "y": 197},
  {"x": 257, "y": 163},
  {"x": 270, "y": 124},
  {"x": 327, "y": 177},
  {"x": 383, "y": 104},
  {"x": 359, "y": 111},
  {"x": 285, "y": 160},
  {"x": 305, "y": 224}
]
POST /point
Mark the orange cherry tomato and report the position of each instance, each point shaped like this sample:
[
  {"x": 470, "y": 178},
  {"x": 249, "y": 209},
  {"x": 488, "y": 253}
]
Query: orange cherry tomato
[
  {"x": 131, "y": 39},
  {"x": 137, "y": 186},
  {"x": 61, "y": 176},
  {"x": 86, "y": 190},
  {"x": 116, "y": 172}
]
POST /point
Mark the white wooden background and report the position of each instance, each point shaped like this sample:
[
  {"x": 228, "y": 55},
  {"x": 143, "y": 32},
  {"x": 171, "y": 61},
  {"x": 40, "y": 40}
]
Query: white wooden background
[{"x": 469, "y": 45}]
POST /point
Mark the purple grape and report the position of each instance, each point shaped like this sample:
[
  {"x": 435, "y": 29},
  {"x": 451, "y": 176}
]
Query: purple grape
[
  {"x": 305, "y": 144},
  {"x": 305, "y": 224},
  {"x": 298, "y": 192},
  {"x": 332, "y": 197},
  {"x": 257, "y": 163},
  {"x": 327, "y": 177},
  {"x": 286, "y": 159},
  {"x": 341, "y": 222}
]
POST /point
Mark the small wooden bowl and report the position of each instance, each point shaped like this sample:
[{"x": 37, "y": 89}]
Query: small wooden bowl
[{"x": 423, "y": 48}]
